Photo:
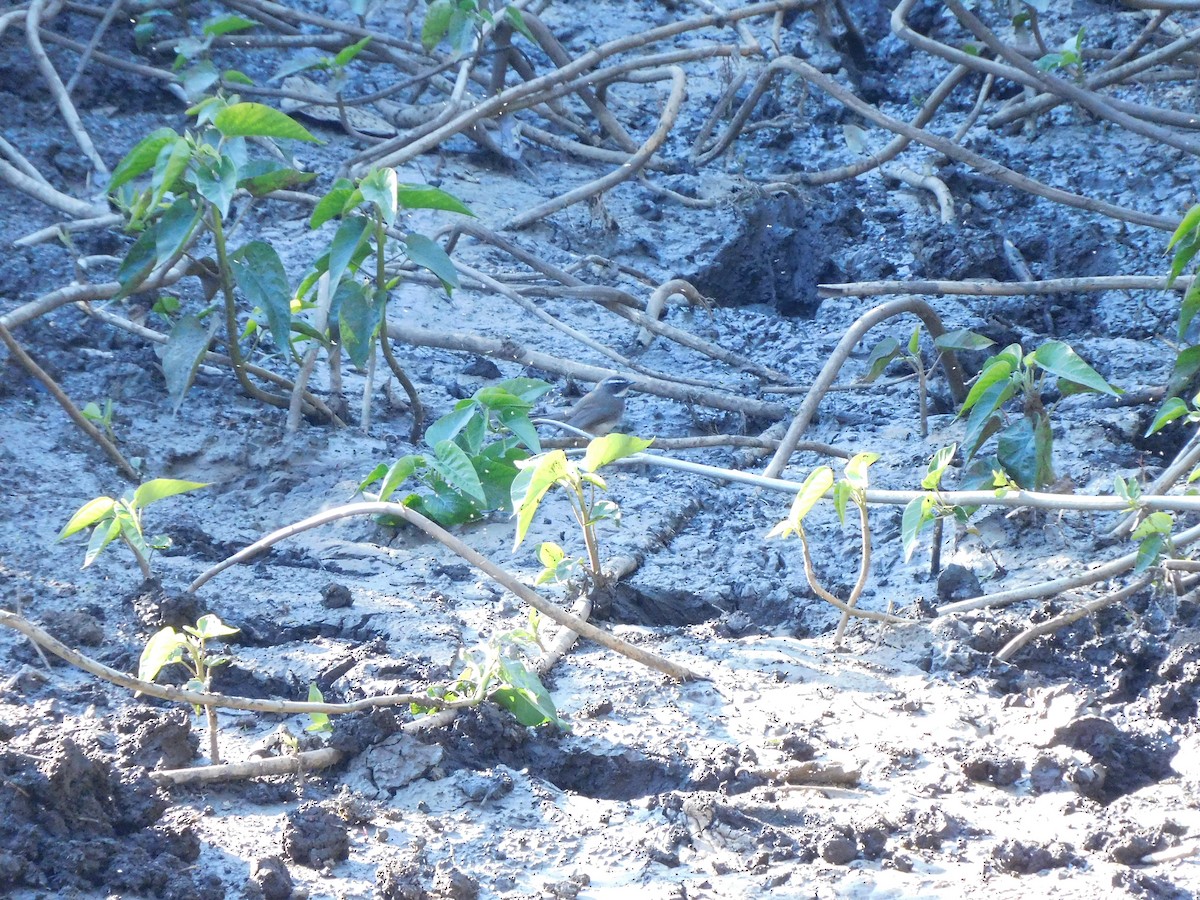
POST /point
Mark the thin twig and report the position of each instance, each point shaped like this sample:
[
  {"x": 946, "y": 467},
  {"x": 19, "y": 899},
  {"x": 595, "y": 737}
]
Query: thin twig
[{"x": 64, "y": 401}]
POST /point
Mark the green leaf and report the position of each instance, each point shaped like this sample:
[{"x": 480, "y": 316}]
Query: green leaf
[
  {"x": 497, "y": 468},
  {"x": 161, "y": 488},
  {"x": 359, "y": 318},
  {"x": 456, "y": 468},
  {"x": 346, "y": 54},
  {"x": 1058, "y": 358},
  {"x": 216, "y": 183},
  {"x": 983, "y": 422},
  {"x": 332, "y": 204},
  {"x": 88, "y": 514},
  {"x": 517, "y": 421},
  {"x": 1158, "y": 522},
  {"x": 219, "y": 25},
  {"x": 259, "y": 272},
  {"x": 172, "y": 162},
  {"x": 399, "y": 472},
  {"x": 260, "y": 177},
  {"x": 429, "y": 255},
  {"x": 1191, "y": 220},
  {"x": 1183, "y": 255},
  {"x": 1023, "y": 450},
  {"x": 1149, "y": 552},
  {"x": 997, "y": 369},
  {"x": 259, "y": 120},
  {"x": 319, "y": 722},
  {"x": 881, "y": 357},
  {"x": 937, "y": 467},
  {"x": 537, "y": 475},
  {"x": 175, "y": 229},
  {"x": 550, "y": 554},
  {"x": 164, "y": 648},
  {"x": 379, "y": 189},
  {"x": 602, "y": 451},
  {"x": 497, "y": 398},
  {"x": 197, "y": 79},
  {"x": 142, "y": 157},
  {"x": 856, "y": 469},
  {"x": 350, "y": 238},
  {"x": 815, "y": 486},
  {"x": 962, "y": 339},
  {"x": 234, "y": 76},
  {"x": 436, "y": 24},
  {"x": 918, "y": 513},
  {"x": 524, "y": 695},
  {"x": 102, "y": 535},
  {"x": 182, "y": 355},
  {"x": 211, "y": 626},
  {"x": 842, "y": 492},
  {"x": 448, "y": 426},
  {"x": 422, "y": 196},
  {"x": 1189, "y": 306},
  {"x": 518, "y": 22},
  {"x": 528, "y": 389},
  {"x": 1171, "y": 410}
]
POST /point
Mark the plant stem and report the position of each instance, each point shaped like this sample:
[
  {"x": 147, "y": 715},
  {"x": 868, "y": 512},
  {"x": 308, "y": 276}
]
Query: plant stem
[
  {"x": 864, "y": 570},
  {"x": 231, "y": 323},
  {"x": 143, "y": 563}
]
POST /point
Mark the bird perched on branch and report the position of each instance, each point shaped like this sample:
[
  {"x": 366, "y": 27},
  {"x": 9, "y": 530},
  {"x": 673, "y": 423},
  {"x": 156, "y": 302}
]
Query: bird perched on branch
[{"x": 599, "y": 411}]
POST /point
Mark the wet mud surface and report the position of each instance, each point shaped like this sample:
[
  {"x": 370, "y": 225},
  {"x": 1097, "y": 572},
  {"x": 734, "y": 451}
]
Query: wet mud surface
[{"x": 910, "y": 762}]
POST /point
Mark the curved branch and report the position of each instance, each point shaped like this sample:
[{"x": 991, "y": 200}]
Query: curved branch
[
  {"x": 485, "y": 565},
  {"x": 841, "y": 353}
]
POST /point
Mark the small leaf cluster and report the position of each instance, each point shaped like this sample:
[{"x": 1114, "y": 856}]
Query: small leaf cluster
[
  {"x": 495, "y": 671},
  {"x": 111, "y": 518},
  {"x": 1024, "y": 446},
  {"x": 581, "y": 485},
  {"x": 189, "y": 648},
  {"x": 459, "y": 21},
  {"x": 476, "y": 450}
]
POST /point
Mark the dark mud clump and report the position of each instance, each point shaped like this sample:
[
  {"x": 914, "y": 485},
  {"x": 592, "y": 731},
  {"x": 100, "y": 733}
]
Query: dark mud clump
[{"x": 72, "y": 820}]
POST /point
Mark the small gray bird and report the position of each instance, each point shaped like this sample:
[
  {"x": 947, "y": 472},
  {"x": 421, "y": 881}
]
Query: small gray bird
[{"x": 599, "y": 411}]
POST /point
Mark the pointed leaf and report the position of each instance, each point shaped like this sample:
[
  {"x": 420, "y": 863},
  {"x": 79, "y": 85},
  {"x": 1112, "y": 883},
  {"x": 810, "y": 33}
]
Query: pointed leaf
[
  {"x": 164, "y": 648},
  {"x": 437, "y": 22},
  {"x": 211, "y": 626},
  {"x": 349, "y": 239},
  {"x": 259, "y": 120},
  {"x": 184, "y": 351},
  {"x": 429, "y": 255},
  {"x": 1191, "y": 220},
  {"x": 260, "y": 177},
  {"x": 856, "y": 469},
  {"x": 537, "y": 476},
  {"x": 333, "y": 204},
  {"x": 881, "y": 357},
  {"x": 88, "y": 514},
  {"x": 359, "y": 318},
  {"x": 102, "y": 535},
  {"x": 604, "y": 450},
  {"x": 1171, "y": 410},
  {"x": 997, "y": 370},
  {"x": 142, "y": 157},
  {"x": 379, "y": 189},
  {"x": 216, "y": 183},
  {"x": 448, "y": 426},
  {"x": 421, "y": 196},
  {"x": 917, "y": 515},
  {"x": 962, "y": 339},
  {"x": 455, "y": 466},
  {"x": 1058, "y": 358},
  {"x": 815, "y": 486},
  {"x": 517, "y": 421},
  {"x": 259, "y": 272},
  {"x": 400, "y": 471},
  {"x": 937, "y": 467},
  {"x": 1189, "y": 306},
  {"x": 161, "y": 488}
]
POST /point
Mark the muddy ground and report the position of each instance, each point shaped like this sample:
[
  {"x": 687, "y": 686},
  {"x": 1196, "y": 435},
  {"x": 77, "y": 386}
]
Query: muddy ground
[{"x": 907, "y": 763}]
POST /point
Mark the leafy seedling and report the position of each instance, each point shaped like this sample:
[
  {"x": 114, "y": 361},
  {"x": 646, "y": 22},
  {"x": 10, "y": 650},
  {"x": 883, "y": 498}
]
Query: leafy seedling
[
  {"x": 1024, "y": 446},
  {"x": 475, "y": 451},
  {"x": 889, "y": 349},
  {"x": 582, "y": 487},
  {"x": 102, "y": 418},
  {"x": 189, "y": 648},
  {"x": 110, "y": 519},
  {"x": 851, "y": 489}
]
